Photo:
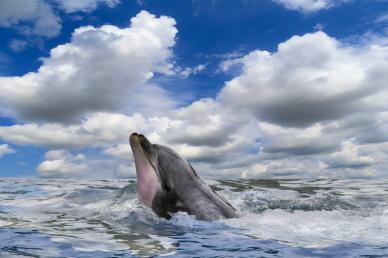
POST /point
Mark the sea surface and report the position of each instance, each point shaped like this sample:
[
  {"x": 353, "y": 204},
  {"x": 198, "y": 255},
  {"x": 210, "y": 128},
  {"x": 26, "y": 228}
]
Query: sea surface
[{"x": 279, "y": 218}]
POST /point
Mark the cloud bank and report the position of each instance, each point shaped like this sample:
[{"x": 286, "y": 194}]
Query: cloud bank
[{"x": 315, "y": 107}]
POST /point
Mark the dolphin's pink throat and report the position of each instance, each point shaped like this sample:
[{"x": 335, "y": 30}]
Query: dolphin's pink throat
[{"x": 147, "y": 179}]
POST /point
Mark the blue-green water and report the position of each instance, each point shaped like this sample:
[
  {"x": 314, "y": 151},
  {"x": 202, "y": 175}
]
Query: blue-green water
[{"x": 279, "y": 218}]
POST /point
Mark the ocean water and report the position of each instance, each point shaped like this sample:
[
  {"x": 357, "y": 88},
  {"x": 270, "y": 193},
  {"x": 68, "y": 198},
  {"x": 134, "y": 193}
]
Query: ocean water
[{"x": 279, "y": 218}]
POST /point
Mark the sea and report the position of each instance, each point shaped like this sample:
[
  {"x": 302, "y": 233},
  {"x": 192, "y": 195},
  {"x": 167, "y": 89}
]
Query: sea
[{"x": 278, "y": 218}]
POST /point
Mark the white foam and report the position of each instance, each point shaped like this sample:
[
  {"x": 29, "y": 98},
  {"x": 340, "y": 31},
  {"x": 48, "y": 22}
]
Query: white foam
[
  {"x": 4, "y": 223},
  {"x": 182, "y": 219},
  {"x": 315, "y": 228},
  {"x": 64, "y": 210}
]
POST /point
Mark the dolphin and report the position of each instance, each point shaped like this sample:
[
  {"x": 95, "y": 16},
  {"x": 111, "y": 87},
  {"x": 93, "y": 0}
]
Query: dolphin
[{"x": 167, "y": 183}]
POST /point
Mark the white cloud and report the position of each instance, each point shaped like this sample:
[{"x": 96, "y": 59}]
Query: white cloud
[
  {"x": 122, "y": 151},
  {"x": 227, "y": 64},
  {"x": 98, "y": 130},
  {"x": 71, "y": 6},
  {"x": 213, "y": 138},
  {"x": 206, "y": 131},
  {"x": 150, "y": 100},
  {"x": 311, "y": 97},
  {"x": 315, "y": 107},
  {"x": 199, "y": 138},
  {"x": 126, "y": 171},
  {"x": 22, "y": 13},
  {"x": 308, "y": 6},
  {"x": 97, "y": 71},
  {"x": 171, "y": 69},
  {"x": 40, "y": 17},
  {"x": 311, "y": 78},
  {"x": 382, "y": 18},
  {"x": 319, "y": 26},
  {"x": 5, "y": 149},
  {"x": 186, "y": 72},
  {"x": 349, "y": 156},
  {"x": 201, "y": 123},
  {"x": 297, "y": 141},
  {"x": 253, "y": 171},
  {"x": 17, "y": 45},
  {"x": 62, "y": 163},
  {"x": 229, "y": 137}
]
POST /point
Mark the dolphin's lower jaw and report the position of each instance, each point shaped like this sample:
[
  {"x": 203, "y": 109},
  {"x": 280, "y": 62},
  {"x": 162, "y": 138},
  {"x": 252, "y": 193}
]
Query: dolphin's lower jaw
[{"x": 147, "y": 179}]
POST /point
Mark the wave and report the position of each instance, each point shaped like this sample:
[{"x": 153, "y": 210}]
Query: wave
[{"x": 278, "y": 217}]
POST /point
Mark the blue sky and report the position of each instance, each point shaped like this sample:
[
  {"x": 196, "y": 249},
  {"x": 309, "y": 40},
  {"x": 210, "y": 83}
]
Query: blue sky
[{"x": 243, "y": 88}]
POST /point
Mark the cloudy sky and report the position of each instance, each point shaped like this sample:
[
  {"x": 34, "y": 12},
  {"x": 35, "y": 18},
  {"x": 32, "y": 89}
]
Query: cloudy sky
[{"x": 242, "y": 89}]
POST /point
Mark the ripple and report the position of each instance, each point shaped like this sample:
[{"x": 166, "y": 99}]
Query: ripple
[{"x": 280, "y": 218}]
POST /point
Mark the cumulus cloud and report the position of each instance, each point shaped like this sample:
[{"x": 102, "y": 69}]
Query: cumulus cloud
[
  {"x": 31, "y": 17},
  {"x": 210, "y": 139},
  {"x": 40, "y": 17},
  {"x": 308, "y": 6},
  {"x": 206, "y": 131},
  {"x": 71, "y": 6},
  {"x": 349, "y": 156},
  {"x": 97, "y": 71},
  {"x": 185, "y": 130},
  {"x": 318, "y": 102},
  {"x": 311, "y": 78},
  {"x": 5, "y": 149},
  {"x": 297, "y": 141},
  {"x": 62, "y": 162},
  {"x": 201, "y": 123},
  {"x": 315, "y": 107}
]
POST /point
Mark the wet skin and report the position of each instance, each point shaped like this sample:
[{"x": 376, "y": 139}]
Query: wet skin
[{"x": 167, "y": 183}]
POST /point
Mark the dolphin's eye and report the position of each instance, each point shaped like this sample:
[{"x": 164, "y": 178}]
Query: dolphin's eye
[{"x": 166, "y": 187}]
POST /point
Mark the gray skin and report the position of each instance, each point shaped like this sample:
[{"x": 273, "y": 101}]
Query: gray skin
[{"x": 168, "y": 183}]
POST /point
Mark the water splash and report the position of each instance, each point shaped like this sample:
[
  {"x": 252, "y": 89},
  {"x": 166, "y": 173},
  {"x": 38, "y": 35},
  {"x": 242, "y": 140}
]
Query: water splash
[{"x": 51, "y": 218}]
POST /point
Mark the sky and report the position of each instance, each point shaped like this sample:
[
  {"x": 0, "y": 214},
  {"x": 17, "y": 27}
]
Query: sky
[{"x": 242, "y": 89}]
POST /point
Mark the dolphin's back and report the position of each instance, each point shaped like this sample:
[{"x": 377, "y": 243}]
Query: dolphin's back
[
  {"x": 205, "y": 204},
  {"x": 192, "y": 194}
]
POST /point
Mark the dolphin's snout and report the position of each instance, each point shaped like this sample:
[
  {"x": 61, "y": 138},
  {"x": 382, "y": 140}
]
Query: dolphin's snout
[
  {"x": 136, "y": 139},
  {"x": 144, "y": 143},
  {"x": 132, "y": 138}
]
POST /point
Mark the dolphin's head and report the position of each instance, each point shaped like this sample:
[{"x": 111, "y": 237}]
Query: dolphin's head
[
  {"x": 167, "y": 183},
  {"x": 146, "y": 157}
]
